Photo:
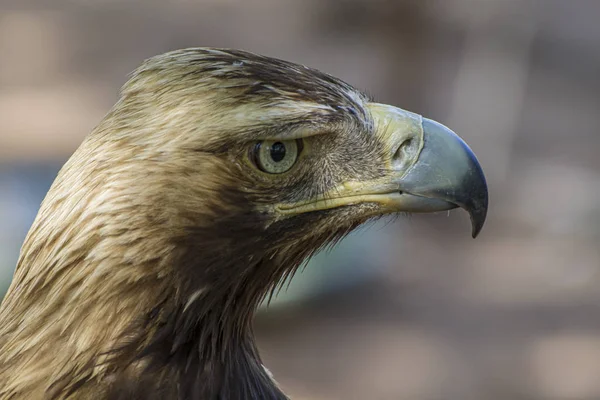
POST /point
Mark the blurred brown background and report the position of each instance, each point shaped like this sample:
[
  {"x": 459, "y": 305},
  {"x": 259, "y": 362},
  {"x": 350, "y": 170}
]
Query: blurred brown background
[{"x": 430, "y": 313}]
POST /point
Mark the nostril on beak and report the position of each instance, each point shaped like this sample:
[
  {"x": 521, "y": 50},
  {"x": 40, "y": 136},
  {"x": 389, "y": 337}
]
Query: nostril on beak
[{"x": 403, "y": 154}]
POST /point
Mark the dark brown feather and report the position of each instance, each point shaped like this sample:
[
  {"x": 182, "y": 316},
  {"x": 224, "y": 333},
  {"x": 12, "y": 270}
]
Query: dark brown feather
[{"x": 155, "y": 245}]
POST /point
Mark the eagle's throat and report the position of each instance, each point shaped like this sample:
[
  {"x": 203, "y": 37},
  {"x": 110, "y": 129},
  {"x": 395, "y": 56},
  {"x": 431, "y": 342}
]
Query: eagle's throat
[{"x": 204, "y": 340}]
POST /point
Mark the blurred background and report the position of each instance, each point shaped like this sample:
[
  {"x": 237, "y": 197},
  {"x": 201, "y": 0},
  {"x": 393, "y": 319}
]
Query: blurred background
[{"x": 411, "y": 309}]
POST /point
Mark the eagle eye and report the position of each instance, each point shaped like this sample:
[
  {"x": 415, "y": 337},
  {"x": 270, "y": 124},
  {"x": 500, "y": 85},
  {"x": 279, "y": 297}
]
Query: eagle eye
[{"x": 276, "y": 156}]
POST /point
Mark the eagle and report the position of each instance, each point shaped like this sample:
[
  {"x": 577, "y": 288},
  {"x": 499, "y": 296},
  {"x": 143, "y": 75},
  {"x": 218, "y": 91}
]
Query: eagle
[{"x": 215, "y": 175}]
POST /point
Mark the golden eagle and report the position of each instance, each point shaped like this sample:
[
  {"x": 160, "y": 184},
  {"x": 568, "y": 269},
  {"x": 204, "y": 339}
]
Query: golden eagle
[{"x": 213, "y": 177}]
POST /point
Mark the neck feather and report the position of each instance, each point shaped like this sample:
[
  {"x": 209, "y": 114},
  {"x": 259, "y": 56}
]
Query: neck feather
[{"x": 205, "y": 343}]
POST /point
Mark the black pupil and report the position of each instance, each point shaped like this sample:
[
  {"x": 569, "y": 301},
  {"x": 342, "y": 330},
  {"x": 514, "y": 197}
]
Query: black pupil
[{"x": 278, "y": 151}]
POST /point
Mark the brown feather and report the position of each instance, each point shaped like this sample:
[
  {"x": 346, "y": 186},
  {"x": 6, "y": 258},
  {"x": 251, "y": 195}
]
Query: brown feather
[{"x": 153, "y": 248}]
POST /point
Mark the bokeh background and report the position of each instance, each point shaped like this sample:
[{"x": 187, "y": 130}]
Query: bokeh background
[{"x": 424, "y": 311}]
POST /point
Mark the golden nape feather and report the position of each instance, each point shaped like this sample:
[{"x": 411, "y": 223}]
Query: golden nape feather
[{"x": 214, "y": 176}]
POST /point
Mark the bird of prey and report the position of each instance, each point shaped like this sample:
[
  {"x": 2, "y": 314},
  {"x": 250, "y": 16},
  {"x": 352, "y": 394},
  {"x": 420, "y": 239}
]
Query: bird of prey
[{"x": 213, "y": 177}]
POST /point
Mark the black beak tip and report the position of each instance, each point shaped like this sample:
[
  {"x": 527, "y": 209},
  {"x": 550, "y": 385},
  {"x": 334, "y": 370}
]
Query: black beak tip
[
  {"x": 477, "y": 221},
  {"x": 474, "y": 194},
  {"x": 478, "y": 210}
]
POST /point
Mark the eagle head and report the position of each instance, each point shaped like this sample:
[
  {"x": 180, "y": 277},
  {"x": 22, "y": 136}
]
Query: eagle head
[{"x": 214, "y": 176}]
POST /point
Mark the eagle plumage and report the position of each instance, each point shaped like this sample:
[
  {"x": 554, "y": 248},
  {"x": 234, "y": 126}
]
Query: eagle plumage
[{"x": 213, "y": 177}]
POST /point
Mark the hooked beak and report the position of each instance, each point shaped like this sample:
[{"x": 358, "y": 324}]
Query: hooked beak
[
  {"x": 447, "y": 175},
  {"x": 430, "y": 169}
]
